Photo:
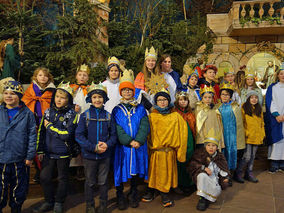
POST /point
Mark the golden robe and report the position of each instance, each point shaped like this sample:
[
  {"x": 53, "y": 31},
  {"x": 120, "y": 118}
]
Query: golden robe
[
  {"x": 167, "y": 144},
  {"x": 206, "y": 119}
]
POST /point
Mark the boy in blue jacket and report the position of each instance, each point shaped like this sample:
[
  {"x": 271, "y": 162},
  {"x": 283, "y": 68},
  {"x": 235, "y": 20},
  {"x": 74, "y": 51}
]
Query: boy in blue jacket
[
  {"x": 96, "y": 134},
  {"x": 17, "y": 147},
  {"x": 56, "y": 135}
]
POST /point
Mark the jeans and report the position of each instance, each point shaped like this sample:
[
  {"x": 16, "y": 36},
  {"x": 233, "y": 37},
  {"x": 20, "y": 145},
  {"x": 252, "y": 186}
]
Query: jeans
[
  {"x": 46, "y": 176},
  {"x": 93, "y": 169},
  {"x": 277, "y": 164},
  {"x": 248, "y": 158}
]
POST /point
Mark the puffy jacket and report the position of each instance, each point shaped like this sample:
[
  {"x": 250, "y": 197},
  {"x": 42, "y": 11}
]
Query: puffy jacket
[
  {"x": 95, "y": 125},
  {"x": 18, "y": 137},
  {"x": 55, "y": 138}
]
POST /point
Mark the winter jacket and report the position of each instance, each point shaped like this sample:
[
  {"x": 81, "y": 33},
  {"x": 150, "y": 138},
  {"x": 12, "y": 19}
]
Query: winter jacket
[
  {"x": 58, "y": 136},
  {"x": 95, "y": 125},
  {"x": 18, "y": 137}
]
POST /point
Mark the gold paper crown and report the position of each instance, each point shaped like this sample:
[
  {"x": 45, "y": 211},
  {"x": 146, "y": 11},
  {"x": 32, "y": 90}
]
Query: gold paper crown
[
  {"x": 249, "y": 73},
  {"x": 84, "y": 68},
  {"x": 182, "y": 94},
  {"x": 227, "y": 85},
  {"x": 127, "y": 75},
  {"x": 14, "y": 86},
  {"x": 207, "y": 89},
  {"x": 151, "y": 54},
  {"x": 212, "y": 137},
  {"x": 229, "y": 71},
  {"x": 164, "y": 90},
  {"x": 99, "y": 86},
  {"x": 113, "y": 60},
  {"x": 66, "y": 87},
  {"x": 156, "y": 83}
]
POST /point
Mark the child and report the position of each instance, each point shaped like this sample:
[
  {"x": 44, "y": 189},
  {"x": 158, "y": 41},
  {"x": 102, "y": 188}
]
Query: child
[
  {"x": 254, "y": 129},
  {"x": 56, "y": 136},
  {"x": 37, "y": 98},
  {"x": 182, "y": 106},
  {"x": 149, "y": 68},
  {"x": 250, "y": 85},
  {"x": 18, "y": 147},
  {"x": 229, "y": 76},
  {"x": 274, "y": 122},
  {"x": 207, "y": 116},
  {"x": 192, "y": 88},
  {"x": 209, "y": 78},
  {"x": 112, "y": 84},
  {"x": 234, "y": 137},
  {"x": 209, "y": 170},
  {"x": 168, "y": 145},
  {"x": 38, "y": 95},
  {"x": 96, "y": 134},
  {"x": 131, "y": 157},
  {"x": 80, "y": 93}
]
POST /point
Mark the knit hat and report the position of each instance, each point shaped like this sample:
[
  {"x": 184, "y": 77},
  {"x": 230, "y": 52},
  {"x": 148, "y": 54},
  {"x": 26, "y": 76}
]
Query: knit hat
[
  {"x": 165, "y": 93},
  {"x": 252, "y": 92},
  {"x": 127, "y": 81},
  {"x": 15, "y": 87},
  {"x": 96, "y": 89}
]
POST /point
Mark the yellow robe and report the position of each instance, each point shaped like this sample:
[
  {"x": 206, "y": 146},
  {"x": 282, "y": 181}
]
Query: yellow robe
[
  {"x": 206, "y": 119},
  {"x": 167, "y": 144}
]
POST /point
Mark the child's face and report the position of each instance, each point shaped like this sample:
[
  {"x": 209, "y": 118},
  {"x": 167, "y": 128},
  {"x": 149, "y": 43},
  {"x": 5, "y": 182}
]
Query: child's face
[
  {"x": 162, "y": 102},
  {"x": 113, "y": 73},
  {"x": 207, "y": 98},
  {"x": 97, "y": 100},
  {"x": 11, "y": 99},
  {"x": 225, "y": 96},
  {"x": 166, "y": 65},
  {"x": 192, "y": 81},
  {"x": 182, "y": 102},
  {"x": 281, "y": 76},
  {"x": 127, "y": 93},
  {"x": 253, "y": 99},
  {"x": 249, "y": 81},
  {"x": 61, "y": 99},
  {"x": 210, "y": 75},
  {"x": 211, "y": 148},
  {"x": 82, "y": 77},
  {"x": 229, "y": 77},
  {"x": 150, "y": 63},
  {"x": 42, "y": 78}
]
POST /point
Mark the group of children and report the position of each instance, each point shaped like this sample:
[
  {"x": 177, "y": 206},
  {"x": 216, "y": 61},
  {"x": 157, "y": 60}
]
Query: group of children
[{"x": 199, "y": 132}]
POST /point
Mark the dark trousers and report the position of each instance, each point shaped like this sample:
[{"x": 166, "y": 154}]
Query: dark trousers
[
  {"x": 133, "y": 187},
  {"x": 46, "y": 176},
  {"x": 93, "y": 169},
  {"x": 15, "y": 176}
]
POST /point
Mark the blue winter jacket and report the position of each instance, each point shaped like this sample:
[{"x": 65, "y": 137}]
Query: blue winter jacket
[
  {"x": 100, "y": 126},
  {"x": 18, "y": 137},
  {"x": 55, "y": 138}
]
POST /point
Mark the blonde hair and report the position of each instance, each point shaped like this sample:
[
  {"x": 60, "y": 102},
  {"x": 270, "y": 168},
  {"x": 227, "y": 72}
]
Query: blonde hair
[
  {"x": 46, "y": 73},
  {"x": 253, "y": 85},
  {"x": 62, "y": 92},
  {"x": 2, "y": 52},
  {"x": 147, "y": 73}
]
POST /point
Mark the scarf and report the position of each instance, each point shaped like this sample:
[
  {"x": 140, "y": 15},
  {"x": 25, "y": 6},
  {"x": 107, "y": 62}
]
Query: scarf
[
  {"x": 164, "y": 111},
  {"x": 132, "y": 102},
  {"x": 77, "y": 86}
]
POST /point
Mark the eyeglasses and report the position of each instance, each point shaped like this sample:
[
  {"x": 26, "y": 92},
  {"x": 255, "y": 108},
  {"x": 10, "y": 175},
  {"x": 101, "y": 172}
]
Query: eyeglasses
[
  {"x": 126, "y": 90},
  {"x": 162, "y": 100},
  {"x": 225, "y": 94}
]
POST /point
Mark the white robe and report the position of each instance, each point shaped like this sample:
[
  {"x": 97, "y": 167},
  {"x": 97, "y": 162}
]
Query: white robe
[
  {"x": 112, "y": 94},
  {"x": 276, "y": 150},
  {"x": 208, "y": 186},
  {"x": 172, "y": 86}
]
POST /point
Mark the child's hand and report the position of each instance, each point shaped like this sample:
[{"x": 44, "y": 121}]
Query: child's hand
[
  {"x": 40, "y": 157},
  {"x": 29, "y": 162},
  {"x": 46, "y": 122},
  {"x": 101, "y": 147},
  {"x": 77, "y": 108},
  {"x": 208, "y": 171},
  {"x": 226, "y": 180},
  {"x": 279, "y": 118},
  {"x": 135, "y": 144}
]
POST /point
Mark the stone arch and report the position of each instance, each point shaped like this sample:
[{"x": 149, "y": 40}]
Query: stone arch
[{"x": 227, "y": 57}]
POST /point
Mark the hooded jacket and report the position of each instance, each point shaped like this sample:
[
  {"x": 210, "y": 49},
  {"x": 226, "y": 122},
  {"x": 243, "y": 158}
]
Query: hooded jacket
[
  {"x": 18, "y": 137},
  {"x": 55, "y": 139}
]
